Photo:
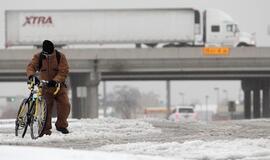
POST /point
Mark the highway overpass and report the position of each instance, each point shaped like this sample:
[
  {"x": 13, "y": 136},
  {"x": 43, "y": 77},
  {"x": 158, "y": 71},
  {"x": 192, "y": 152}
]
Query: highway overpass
[{"x": 251, "y": 65}]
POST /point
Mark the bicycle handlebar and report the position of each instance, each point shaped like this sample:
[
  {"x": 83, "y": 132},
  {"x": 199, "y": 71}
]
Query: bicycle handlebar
[{"x": 44, "y": 82}]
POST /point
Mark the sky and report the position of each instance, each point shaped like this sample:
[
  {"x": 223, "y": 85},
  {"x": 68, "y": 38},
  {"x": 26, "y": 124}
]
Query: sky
[{"x": 251, "y": 15}]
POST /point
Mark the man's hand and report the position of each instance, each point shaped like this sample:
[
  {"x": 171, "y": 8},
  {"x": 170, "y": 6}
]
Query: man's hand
[
  {"x": 52, "y": 83},
  {"x": 33, "y": 79}
]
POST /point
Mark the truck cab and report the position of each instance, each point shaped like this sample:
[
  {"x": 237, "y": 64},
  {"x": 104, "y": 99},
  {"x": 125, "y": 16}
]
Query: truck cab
[{"x": 219, "y": 29}]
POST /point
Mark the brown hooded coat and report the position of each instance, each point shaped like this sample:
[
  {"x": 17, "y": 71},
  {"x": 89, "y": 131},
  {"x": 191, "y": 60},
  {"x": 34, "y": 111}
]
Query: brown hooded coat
[{"x": 51, "y": 70}]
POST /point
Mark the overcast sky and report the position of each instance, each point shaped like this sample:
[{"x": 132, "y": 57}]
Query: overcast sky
[{"x": 251, "y": 15}]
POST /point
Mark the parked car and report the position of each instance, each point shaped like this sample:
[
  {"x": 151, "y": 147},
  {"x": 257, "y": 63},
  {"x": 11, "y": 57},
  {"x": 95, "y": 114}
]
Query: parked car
[{"x": 183, "y": 114}]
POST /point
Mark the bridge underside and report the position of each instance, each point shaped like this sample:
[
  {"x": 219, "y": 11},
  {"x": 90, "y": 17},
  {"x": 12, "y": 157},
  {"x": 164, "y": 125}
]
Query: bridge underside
[
  {"x": 184, "y": 75},
  {"x": 88, "y": 66}
]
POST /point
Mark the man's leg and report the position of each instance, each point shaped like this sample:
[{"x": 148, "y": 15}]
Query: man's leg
[{"x": 63, "y": 109}]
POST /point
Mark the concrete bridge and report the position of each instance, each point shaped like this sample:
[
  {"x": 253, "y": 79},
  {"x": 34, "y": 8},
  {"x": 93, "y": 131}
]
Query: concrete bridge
[{"x": 88, "y": 67}]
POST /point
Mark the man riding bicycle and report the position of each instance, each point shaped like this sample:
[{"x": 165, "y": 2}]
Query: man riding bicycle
[{"x": 53, "y": 67}]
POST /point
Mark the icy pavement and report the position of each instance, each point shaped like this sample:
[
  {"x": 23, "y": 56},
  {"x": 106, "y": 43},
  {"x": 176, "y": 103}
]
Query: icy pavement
[{"x": 156, "y": 138}]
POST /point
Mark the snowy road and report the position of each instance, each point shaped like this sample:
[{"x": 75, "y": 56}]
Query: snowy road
[{"x": 243, "y": 139}]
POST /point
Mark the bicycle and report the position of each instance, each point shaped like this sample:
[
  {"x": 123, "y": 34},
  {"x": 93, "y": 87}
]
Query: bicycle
[{"x": 33, "y": 111}]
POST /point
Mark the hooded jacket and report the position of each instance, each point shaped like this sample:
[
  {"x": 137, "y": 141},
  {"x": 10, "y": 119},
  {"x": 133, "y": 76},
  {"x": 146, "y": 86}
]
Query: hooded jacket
[{"x": 50, "y": 69}]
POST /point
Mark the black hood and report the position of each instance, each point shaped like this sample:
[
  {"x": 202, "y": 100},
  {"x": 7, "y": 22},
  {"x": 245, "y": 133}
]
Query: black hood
[{"x": 47, "y": 47}]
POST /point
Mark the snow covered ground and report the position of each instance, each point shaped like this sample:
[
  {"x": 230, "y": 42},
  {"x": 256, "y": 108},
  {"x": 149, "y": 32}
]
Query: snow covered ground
[
  {"x": 143, "y": 139},
  {"x": 34, "y": 153},
  {"x": 219, "y": 149},
  {"x": 87, "y": 130}
]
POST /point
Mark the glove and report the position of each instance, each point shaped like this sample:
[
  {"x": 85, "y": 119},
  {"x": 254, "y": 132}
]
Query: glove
[
  {"x": 52, "y": 83},
  {"x": 32, "y": 79}
]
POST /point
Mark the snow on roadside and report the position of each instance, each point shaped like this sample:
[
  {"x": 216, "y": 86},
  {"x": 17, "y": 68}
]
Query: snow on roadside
[
  {"x": 244, "y": 149},
  {"x": 36, "y": 153},
  {"x": 84, "y": 129},
  {"x": 94, "y": 130}
]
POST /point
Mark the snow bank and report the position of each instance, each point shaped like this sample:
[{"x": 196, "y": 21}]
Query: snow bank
[{"x": 244, "y": 149}]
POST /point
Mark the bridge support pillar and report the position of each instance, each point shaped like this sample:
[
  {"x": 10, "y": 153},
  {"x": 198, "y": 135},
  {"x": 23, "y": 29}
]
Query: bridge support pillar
[
  {"x": 92, "y": 97},
  {"x": 247, "y": 104},
  {"x": 168, "y": 91},
  {"x": 256, "y": 103},
  {"x": 247, "y": 86},
  {"x": 260, "y": 97},
  {"x": 84, "y": 95},
  {"x": 266, "y": 99},
  {"x": 78, "y": 85}
]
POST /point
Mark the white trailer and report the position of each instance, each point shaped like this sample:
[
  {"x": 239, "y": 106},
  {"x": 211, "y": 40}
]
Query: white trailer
[{"x": 172, "y": 26}]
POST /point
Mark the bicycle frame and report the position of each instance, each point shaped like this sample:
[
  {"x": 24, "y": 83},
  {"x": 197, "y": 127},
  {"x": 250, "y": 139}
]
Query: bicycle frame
[
  {"x": 39, "y": 94},
  {"x": 34, "y": 95},
  {"x": 33, "y": 101}
]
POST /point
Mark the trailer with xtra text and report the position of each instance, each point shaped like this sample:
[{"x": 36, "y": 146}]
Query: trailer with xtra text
[{"x": 152, "y": 27}]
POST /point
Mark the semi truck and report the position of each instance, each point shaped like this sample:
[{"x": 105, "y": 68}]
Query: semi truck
[{"x": 168, "y": 27}]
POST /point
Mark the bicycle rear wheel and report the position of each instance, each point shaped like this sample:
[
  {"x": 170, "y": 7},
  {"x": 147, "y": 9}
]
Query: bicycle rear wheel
[
  {"x": 21, "y": 118},
  {"x": 39, "y": 118}
]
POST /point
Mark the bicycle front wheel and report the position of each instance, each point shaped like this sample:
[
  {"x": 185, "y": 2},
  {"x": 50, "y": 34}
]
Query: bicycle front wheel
[
  {"x": 39, "y": 118},
  {"x": 21, "y": 119}
]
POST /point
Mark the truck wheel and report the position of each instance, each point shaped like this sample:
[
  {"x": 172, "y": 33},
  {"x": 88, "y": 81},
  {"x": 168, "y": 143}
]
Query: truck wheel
[
  {"x": 168, "y": 45},
  {"x": 176, "y": 45},
  {"x": 138, "y": 45},
  {"x": 152, "y": 45},
  {"x": 242, "y": 45}
]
